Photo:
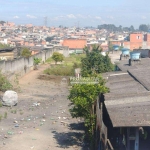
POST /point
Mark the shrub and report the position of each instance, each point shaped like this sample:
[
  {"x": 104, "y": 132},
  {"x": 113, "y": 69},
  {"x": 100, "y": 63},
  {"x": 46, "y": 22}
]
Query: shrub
[
  {"x": 57, "y": 57},
  {"x": 4, "y": 83},
  {"x": 25, "y": 52}
]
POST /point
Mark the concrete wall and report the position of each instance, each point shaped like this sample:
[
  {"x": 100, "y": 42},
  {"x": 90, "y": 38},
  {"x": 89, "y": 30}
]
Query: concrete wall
[
  {"x": 145, "y": 53},
  {"x": 21, "y": 66}
]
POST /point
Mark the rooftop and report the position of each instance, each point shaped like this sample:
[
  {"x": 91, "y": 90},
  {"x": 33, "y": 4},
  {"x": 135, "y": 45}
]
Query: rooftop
[{"x": 128, "y": 102}]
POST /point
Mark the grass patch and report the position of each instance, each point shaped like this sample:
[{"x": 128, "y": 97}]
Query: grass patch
[
  {"x": 14, "y": 111},
  {"x": 60, "y": 70},
  {"x": 68, "y": 66},
  {"x": 5, "y": 115},
  {"x": 49, "y": 60},
  {"x": 1, "y": 104},
  {"x": 1, "y": 117}
]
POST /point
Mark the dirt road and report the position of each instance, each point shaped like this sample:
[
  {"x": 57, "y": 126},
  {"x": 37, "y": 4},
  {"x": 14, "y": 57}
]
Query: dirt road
[{"x": 41, "y": 120}]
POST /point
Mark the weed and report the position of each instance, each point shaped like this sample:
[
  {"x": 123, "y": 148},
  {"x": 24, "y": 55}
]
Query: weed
[
  {"x": 1, "y": 104},
  {"x": 1, "y": 117},
  {"x": 21, "y": 113},
  {"x": 5, "y": 115},
  {"x": 60, "y": 70},
  {"x": 14, "y": 111},
  {"x": 16, "y": 83}
]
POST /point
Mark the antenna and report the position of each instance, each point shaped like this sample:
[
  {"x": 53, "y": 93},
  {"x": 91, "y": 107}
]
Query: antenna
[
  {"x": 45, "y": 21},
  {"x": 78, "y": 24}
]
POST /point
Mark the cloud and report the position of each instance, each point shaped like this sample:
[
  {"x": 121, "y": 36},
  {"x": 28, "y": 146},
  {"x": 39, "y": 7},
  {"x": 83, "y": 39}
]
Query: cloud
[
  {"x": 81, "y": 16},
  {"x": 143, "y": 17},
  {"x": 30, "y": 16},
  {"x": 98, "y": 18},
  {"x": 110, "y": 17},
  {"x": 16, "y": 17},
  {"x": 71, "y": 16}
]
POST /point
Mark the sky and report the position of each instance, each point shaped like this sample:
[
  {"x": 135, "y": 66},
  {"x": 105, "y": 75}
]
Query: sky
[{"x": 76, "y": 12}]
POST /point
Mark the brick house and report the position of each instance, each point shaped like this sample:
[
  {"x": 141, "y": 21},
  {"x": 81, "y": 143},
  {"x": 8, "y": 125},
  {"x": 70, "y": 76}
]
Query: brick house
[{"x": 75, "y": 45}]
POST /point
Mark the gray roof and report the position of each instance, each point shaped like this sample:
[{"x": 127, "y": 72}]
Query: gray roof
[{"x": 128, "y": 102}]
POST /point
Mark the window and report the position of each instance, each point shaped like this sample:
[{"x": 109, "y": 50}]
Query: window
[{"x": 138, "y": 37}]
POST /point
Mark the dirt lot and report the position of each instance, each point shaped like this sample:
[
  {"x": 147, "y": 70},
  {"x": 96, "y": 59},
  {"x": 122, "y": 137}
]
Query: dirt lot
[{"x": 47, "y": 126}]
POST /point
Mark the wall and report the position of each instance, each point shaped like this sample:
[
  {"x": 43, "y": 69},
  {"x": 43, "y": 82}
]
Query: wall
[
  {"x": 21, "y": 66},
  {"x": 145, "y": 53}
]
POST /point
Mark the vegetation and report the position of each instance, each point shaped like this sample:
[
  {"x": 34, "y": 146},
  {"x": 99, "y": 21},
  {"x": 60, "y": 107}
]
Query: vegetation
[
  {"x": 57, "y": 57},
  {"x": 1, "y": 104},
  {"x": 2, "y": 22},
  {"x": 113, "y": 28},
  {"x": 3, "y": 46},
  {"x": 83, "y": 96},
  {"x": 110, "y": 46},
  {"x": 68, "y": 66},
  {"x": 49, "y": 39},
  {"x": 36, "y": 62},
  {"x": 95, "y": 62},
  {"x": 25, "y": 52},
  {"x": 60, "y": 70},
  {"x": 4, "y": 83},
  {"x": 5, "y": 115},
  {"x": 143, "y": 27}
]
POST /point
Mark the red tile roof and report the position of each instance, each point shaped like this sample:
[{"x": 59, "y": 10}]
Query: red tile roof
[{"x": 75, "y": 43}]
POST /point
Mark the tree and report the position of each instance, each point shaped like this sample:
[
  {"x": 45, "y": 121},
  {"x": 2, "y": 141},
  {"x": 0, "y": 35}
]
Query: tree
[
  {"x": 110, "y": 46},
  {"x": 95, "y": 62},
  {"x": 143, "y": 27},
  {"x": 83, "y": 97},
  {"x": 25, "y": 52},
  {"x": 57, "y": 57},
  {"x": 49, "y": 39},
  {"x": 132, "y": 28}
]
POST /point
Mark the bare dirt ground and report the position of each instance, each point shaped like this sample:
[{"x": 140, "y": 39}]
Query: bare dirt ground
[{"x": 48, "y": 126}]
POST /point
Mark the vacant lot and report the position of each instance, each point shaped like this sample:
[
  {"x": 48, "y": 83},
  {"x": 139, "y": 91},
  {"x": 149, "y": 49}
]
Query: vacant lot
[{"x": 41, "y": 120}]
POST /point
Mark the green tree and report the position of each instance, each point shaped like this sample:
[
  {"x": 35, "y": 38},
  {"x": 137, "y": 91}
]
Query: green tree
[
  {"x": 57, "y": 57},
  {"x": 83, "y": 98},
  {"x": 25, "y": 52},
  {"x": 95, "y": 62},
  {"x": 49, "y": 39},
  {"x": 143, "y": 27},
  {"x": 110, "y": 46}
]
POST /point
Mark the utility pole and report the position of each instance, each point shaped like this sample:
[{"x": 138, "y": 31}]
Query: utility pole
[{"x": 45, "y": 21}]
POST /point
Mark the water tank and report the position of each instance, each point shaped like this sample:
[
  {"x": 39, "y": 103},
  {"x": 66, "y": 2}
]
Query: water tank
[
  {"x": 116, "y": 47},
  {"x": 135, "y": 55},
  {"x": 125, "y": 51}
]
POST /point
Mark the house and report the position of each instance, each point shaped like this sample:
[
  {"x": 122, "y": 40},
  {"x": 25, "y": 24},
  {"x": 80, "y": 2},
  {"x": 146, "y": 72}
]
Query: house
[
  {"x": 8, "y": 53},
  {"x": 123, "y": 116},
  {"x": 75, "y": 45},
  {"x": 136, "y": 40}
]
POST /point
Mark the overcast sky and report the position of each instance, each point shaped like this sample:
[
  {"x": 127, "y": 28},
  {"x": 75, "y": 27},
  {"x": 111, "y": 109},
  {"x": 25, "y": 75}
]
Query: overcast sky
[{"x": 76, "y": 12}]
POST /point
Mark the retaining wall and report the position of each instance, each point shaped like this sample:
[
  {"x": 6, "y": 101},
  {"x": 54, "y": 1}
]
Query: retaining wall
[{"x": 21, "y": 66}]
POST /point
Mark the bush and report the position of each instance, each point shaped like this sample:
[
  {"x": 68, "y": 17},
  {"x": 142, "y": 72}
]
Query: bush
[
  {"x": 25, "y": 52},
  {"x": 57, "y": 57},
  {"x": 4, "y": 83}
]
